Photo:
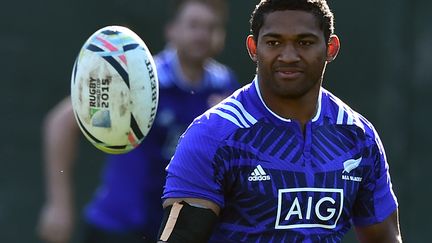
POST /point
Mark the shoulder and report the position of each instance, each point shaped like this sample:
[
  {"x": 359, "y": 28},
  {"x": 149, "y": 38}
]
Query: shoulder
[
  {"x": 225, "y": 118},
  {"x": 165, "y": 65},
  {"x": 343, "y": 115}
]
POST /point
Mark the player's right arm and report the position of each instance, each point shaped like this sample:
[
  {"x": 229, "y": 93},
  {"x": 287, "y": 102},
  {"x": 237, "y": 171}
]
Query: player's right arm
[
  {"x": 194, "y": 188},
  {"x": 60, "y": 140},
  {"x": 188, "y": 220}
]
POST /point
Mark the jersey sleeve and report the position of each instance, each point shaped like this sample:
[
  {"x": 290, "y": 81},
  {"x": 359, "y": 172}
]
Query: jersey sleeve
[
  {"x": 375, "y": 199},
  {"x": 192, "y": 170}
]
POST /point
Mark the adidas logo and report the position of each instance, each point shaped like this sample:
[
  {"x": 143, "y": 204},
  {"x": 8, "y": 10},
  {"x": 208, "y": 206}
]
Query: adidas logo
[{"x": 259, "y": 175}]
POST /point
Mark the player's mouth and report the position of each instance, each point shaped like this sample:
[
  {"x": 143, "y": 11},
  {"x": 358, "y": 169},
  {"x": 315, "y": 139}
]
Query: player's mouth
[{"x": 288, "y": 73}]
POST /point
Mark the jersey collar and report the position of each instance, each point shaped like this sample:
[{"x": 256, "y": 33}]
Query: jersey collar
[{"x": 316, "y": 117}]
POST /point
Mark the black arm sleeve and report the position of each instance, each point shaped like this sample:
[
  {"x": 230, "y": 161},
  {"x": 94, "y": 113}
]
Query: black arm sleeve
[{"x": 184, "y": 223}]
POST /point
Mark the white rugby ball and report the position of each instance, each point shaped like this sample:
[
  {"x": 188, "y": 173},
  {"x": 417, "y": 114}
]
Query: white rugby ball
[{"x": 114, "y": 89}]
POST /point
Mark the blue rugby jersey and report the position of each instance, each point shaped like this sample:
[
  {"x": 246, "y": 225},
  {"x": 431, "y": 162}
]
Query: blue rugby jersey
[
  {"x": 276, "y": 184},
  {"x": 128, "y": 198}
]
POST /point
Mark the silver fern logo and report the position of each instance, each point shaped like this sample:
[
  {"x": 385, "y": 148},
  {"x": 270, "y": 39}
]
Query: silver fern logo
[{"x": 351, "y": 164}]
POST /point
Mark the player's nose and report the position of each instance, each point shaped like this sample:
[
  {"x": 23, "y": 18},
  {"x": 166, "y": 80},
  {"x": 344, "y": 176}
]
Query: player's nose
[{"x": 289, "y": 53}]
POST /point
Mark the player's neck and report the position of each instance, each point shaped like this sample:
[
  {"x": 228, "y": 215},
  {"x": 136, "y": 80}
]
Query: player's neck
[
  {"x": 301, "y": 109},
  {"x": 192, "y": 70}
]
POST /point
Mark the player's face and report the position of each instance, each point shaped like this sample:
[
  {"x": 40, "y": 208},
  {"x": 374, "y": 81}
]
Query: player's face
[
  {"x": 197, "y": 31},
  {"x": 291, "y": 54}
]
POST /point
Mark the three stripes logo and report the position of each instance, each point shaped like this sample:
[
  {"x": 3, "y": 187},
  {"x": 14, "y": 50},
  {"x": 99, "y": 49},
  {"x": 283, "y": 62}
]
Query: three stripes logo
[{"x": 259, "y": 175}]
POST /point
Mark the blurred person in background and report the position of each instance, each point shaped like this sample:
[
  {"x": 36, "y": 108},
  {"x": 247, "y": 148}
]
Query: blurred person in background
[{"x": 126, "y": 207}]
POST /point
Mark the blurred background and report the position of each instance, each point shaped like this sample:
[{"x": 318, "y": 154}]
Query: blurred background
[{"x": 384, "y": 71}]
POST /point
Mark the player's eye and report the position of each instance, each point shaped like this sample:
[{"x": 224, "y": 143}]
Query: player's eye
[
  {"x": 305, "y": 43},
  {"x": 272, "y": 43}
]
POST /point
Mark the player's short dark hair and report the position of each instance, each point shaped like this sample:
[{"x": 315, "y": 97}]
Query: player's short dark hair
[
  {"x": 219, "y": 6},
  {"x": 319, "y": 8}
]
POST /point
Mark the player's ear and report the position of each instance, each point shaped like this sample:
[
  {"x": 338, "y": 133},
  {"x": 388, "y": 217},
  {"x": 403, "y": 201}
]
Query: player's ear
[
  {"x": 251, "y": 47},
  {"x": 333, "y": 47}
]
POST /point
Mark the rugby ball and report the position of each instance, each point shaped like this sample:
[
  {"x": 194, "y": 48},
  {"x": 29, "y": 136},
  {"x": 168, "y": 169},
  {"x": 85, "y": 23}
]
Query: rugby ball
[{"x": 114, "y": 89}]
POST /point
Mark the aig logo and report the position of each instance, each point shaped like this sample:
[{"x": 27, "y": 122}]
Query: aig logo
[{"x": 309, "y": 208}]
